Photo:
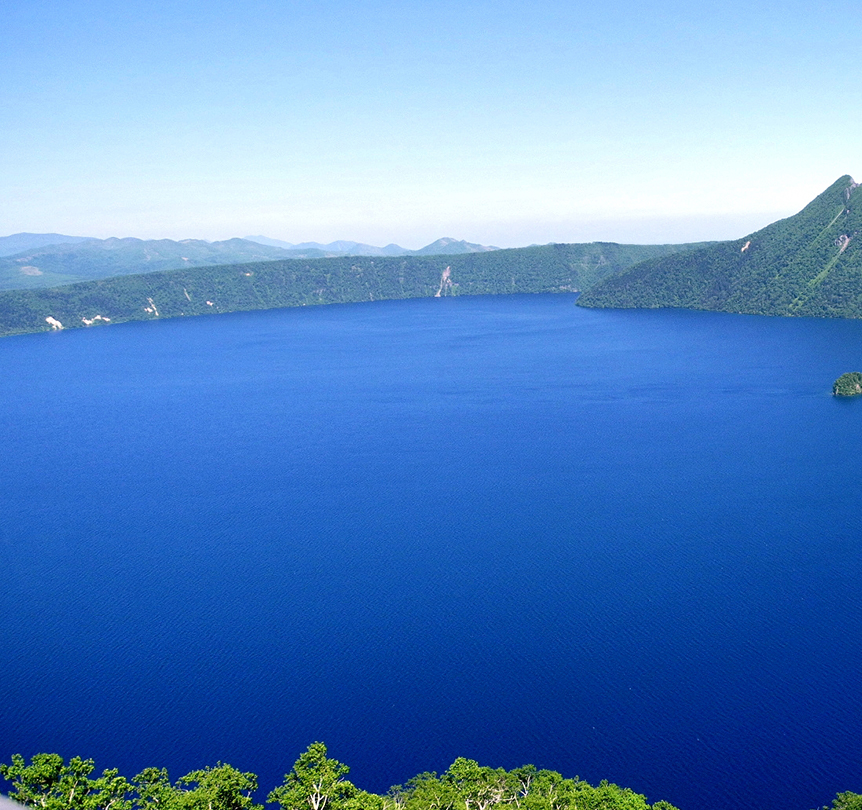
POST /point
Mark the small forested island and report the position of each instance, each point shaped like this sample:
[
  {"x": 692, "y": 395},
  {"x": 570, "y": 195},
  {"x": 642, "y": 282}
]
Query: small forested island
[
  {"x": 848, "y": 385},
  {"x": 317, "y": 782}
]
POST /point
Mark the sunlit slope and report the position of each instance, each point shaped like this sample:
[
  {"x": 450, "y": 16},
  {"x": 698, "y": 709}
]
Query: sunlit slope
[
  {"x": 808, "y": 264},
  {"x": 289, "y": 283}
]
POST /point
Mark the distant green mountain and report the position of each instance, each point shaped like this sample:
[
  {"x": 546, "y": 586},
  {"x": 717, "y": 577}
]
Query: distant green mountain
[
  {"x": 49, "y": 260},
  {"x": 66, "y": 263},
  {"x": 339, "y": 248},
  {"x": 449, "y": 246},
  {"x": 445, "y": 246},
  {"x": 267, "y": 285},
  {"x": 809, "y": 264}
]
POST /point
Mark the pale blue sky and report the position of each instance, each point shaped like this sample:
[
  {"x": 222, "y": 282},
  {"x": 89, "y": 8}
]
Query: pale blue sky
[{"x": 498, "y": 122}]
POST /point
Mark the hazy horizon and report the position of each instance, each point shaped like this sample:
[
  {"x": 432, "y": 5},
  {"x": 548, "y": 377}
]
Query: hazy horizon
[
  {"x": 642, "y": 231},
  {"x": 490, "y": 122}
]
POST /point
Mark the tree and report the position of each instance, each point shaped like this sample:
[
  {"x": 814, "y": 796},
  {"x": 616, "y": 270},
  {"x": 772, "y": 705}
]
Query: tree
[
  {"x": 50, "y": 783},
  {"x": 362, "y": 800},
  {"x": 479, "y": 787},
  {"x": 847, "y": 801},
  {"x": 219, "y": 788},
  {"x": 612, "y": 797},
  {"x": 109, "y": 792},
  {"x": 154, "y": 791},
  {"x": 425, "y": 792},
  {"x": 548, "y": 790},
  {"x": 315, "y": 783}
]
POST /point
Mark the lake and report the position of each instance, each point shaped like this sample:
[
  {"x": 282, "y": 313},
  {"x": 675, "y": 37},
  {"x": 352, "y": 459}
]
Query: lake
[{"x": 616, "y": 544}]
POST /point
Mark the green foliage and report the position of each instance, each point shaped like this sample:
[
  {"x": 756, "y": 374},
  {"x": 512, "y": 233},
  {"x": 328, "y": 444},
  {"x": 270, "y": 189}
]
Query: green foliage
[
  {"x": 153, "y": 790},
  {"x": 848, "y": 385},
  {"x": 809, "y": 264},
  {"x": 478, "y": 787},
  {"x": 847, "y": 801},
  {"x": 50, "y": 783},
  {"x": 364, "y": 801},
  {"x": 219, "y": 788},
  {"x": 466, "y": 785},
  {"x": 290, "y": 283},
  {"x": 315, "y": 783}
]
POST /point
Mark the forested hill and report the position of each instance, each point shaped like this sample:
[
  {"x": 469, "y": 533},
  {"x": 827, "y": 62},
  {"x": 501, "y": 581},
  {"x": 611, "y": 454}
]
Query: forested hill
[
  {"x": 267, "y": 285},
  {"x": 808, "y": 264}
]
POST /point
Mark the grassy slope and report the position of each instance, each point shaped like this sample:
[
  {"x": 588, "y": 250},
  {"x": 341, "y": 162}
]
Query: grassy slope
[{"x": 795, "y": 266}]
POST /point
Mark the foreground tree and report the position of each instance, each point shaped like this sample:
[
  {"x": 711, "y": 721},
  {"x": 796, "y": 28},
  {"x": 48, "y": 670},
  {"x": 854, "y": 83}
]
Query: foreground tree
[
  {"x": 847, "y": 801},
  {"x": 154, "y": 791},
  {"x": 219, "y": 788},
  {"x": 479, "y": 787},
  {"x": 52, "y": 784},
  {"x": 315, "y": 783}
]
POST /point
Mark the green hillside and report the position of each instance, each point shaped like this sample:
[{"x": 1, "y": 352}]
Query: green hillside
[
  {"x": 268, "y": 285},
  {"x": 808, "y": 264}
]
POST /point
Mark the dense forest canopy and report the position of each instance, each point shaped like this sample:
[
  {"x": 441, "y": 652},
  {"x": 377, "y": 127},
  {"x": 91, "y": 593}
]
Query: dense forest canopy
[{"x": 317, "y": 782}]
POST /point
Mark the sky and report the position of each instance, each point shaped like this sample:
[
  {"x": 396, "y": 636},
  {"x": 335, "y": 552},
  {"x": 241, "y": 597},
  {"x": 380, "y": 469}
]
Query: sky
[{"x": 504, "y": 123}]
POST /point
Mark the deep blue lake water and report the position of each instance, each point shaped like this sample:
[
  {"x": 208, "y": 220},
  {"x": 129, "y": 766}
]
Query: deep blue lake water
[{"x": 617, "y": 544}]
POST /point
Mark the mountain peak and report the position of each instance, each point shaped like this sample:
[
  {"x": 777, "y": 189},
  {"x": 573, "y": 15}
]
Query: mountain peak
[
  {"x": 807, "y": 264},
  {"x": 446, "y": 245}
]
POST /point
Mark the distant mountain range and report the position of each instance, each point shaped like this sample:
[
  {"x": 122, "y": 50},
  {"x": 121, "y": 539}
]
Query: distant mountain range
[
  {"x": 30, "y": 260},
  {"x": 19, "y": 242},
  {"x": 68, "y": 262},
  {"x": 340, "y": 248},
  {"x": 808, "y": 264},
  {"x": 444, "y": 246}
]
